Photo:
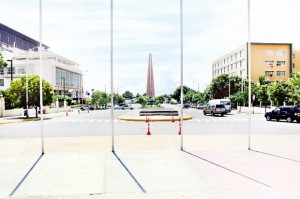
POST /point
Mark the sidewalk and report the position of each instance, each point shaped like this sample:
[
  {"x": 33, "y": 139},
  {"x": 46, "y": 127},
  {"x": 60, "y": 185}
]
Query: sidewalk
[
  {"x": 151, "y": 167},
  {"x": 17, "y": 119}
]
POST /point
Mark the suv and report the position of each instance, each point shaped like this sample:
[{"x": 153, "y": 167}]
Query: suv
[
  {"x": 214, "y": 109},
  {"x": 288, "y": 113}
]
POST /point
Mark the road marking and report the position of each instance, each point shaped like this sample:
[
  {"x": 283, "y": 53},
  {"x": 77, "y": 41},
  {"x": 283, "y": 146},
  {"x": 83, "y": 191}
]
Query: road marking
[
  {"x": 106, "y": 121},
  {"x": 91, "y": 120}
]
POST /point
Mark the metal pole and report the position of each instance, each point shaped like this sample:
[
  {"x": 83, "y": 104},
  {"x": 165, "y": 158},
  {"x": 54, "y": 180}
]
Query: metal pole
[
  {"x": 249, "y": 78},
  {"x": 11, "y": 69},
  {"x": 26, "y": 84},
  {"x": 181, "y": 73},
  {"x": 112, "y": 75},
  {"x": 41, "y": 81},
  {"x": 229, "y": 85}
]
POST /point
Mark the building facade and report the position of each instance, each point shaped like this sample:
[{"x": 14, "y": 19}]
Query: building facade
[
  {"x": 23, "y": 58},
  {"x": 275, "y": 61}
]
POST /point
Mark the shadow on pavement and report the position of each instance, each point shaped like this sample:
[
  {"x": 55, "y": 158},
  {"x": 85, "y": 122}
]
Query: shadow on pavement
[
  {"x": 26, "y": 175},
  {"x": 128, "y": 171},
  {"x": 232, "y": 171},
  {"x": 277, "y": 156}
]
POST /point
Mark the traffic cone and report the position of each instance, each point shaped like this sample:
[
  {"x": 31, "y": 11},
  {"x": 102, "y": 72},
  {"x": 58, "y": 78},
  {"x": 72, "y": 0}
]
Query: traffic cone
[
  {"x": 148, "y": 132},
  {"x": 179, "y": 133}
]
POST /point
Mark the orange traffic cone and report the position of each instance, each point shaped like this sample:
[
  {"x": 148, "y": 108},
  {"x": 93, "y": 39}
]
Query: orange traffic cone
[
  {"x": 179, "y": 133},
  {"x": 148, "y": 132}
]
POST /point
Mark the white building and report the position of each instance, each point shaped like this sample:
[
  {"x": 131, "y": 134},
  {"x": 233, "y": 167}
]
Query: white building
[{"x": 64, "y": 74}]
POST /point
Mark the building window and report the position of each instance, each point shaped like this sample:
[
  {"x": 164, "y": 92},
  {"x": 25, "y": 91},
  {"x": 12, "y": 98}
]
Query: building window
[
  {"x": 269, "y": 53},
  {"x": 1, "y": 82},
  {"x": 242, "y": 53},
  {"x": 21, "y": 70},
  {"x": 269, "y": 63},
  {"x": 1, "y": 71},
  {"x": 280, "y": 73},
  {"x": 9, "y": 70},
  {"x": 293, "y": 65},
  {"x": 269, "y": 73},
  {"x": 280, "y": 63},
  {"x": 293, "y": 55},
  {"x": 280, "y": 53}
]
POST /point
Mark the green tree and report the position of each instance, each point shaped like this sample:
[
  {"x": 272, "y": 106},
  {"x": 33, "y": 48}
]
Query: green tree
[
  {"x": 61, "y": 98},
  {"x": 15, "y": 95},
  {"x": 127, "y": 95},
  {"x": 219, "y": 86},
  {"x": 3, "y": 63},
  {"x": 260, "y": 90},
  {"x": 240, "y": 97},
  {"x": 119, "y": 99},
  {"x": 198, "y": 98},
  {"x": 159, "y": 100},
  {"x": 100, "y": 98},
  {"x": 143, "y": 100},
  {"x": 278, "y": 92},
  {"x": 295, "y": 80},
  {"x": 177, "y": 92}
]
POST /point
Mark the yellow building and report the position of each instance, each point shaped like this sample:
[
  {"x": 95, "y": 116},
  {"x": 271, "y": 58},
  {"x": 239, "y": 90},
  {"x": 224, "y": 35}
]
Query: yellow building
[
  {"x": 273, "y": 60},
  {"x": 296, "y": 60}
]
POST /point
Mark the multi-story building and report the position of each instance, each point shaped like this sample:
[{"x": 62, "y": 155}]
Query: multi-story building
[
  {"x": 22, "y": 54},
  {"x": 276, "y": 61}
]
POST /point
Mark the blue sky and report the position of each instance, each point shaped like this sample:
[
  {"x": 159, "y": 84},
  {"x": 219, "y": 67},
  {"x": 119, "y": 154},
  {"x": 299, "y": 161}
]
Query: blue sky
[{"x": 80, "y": 30}]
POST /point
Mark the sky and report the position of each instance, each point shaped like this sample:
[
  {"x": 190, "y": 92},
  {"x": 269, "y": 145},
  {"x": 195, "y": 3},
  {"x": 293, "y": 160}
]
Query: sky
[{"x": 80, "y": 31}]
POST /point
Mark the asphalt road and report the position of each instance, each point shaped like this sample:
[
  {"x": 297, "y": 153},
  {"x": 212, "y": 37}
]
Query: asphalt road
[{"x": 98, "y": 123}]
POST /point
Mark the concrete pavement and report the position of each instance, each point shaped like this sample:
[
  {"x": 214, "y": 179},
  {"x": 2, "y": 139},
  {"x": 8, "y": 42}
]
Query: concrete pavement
[{"x": 211, "y": 166}]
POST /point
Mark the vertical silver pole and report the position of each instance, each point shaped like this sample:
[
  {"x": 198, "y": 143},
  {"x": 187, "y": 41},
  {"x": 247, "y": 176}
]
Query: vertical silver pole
[
  {"x": 181, "y": 73},
  {"x": 41, "y": 81},
  {"x": 249, "y": 77},
  {"x": 229, "y": 85},
  {"x": 112, "y": 77},
  {"x": 27, "y": 83}
]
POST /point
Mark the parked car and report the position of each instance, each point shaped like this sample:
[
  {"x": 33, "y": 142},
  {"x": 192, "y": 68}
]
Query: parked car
[
  {"x": 186, "y": 105},
  {"x": 215, "y": 109},
  {"x": 288, "y": 113},
  {"x": 126, "y": 106},
  {"x": 86, "y": 107},
  {"x": 201, "y": 106},
  {"x": 123, "y": 107}
]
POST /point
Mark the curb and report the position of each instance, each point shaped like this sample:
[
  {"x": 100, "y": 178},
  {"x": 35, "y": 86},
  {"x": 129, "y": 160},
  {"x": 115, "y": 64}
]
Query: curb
[{"x": 153, "y": 119}]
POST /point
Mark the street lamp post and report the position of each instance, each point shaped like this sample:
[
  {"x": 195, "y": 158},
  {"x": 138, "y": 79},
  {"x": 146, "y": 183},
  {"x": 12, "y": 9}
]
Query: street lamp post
[
  {"x": 229, "y": 85},
  {"x": 64, "y": 87},
  {"x": 27, "y": 115},
  {"x": 11, "y": 69}
]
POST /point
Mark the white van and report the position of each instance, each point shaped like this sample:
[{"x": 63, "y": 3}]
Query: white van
[{"x": 225, "y": 102}]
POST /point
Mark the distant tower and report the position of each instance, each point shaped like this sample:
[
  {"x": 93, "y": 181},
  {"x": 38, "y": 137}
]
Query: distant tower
[{"x": 150, "y": 80}]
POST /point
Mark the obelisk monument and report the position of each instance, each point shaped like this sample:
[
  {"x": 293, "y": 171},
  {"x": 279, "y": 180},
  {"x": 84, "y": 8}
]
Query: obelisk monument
[{"x": 150, "y": 81}]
